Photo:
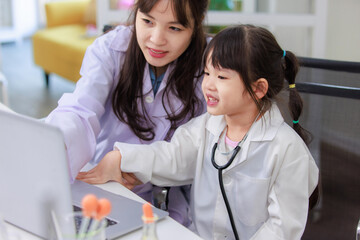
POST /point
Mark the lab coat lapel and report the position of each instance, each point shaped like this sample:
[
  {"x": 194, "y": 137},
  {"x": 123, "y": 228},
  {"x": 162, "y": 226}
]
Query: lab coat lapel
[
  {"x": 215, "y": 125},
  {"x": 154, "y": 104},
  {"x": 263, "y": 130},
  {"x": 147, "y": 86}
]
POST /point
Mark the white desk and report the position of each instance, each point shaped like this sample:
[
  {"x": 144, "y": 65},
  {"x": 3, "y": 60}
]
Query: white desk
[
  {"x": 166, "y": 228},
  {"x": 3, "y": 89},
  {"x": 5, "y": 108}
]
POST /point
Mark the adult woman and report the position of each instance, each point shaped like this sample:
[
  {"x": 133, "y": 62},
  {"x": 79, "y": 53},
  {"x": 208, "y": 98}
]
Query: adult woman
[{"x": 138, "y": 84}]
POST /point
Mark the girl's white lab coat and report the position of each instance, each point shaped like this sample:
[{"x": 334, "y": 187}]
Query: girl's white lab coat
[{"x": 268, "y": 184}]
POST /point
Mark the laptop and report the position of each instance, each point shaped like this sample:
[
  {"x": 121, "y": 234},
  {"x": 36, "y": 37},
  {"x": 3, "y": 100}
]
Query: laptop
[{"x": 35, "y": 191}]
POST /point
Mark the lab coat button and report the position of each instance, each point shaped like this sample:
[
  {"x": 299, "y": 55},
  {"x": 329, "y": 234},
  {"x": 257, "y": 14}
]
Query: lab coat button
[
  {"x": 227, "y": 180},
  {"x": 149, "y": 99},
  {"x": 218, "y": 236}
]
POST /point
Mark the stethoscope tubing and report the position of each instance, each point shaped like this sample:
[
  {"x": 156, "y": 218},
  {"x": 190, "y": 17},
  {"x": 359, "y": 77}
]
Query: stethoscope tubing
[
  {"x": 223, "y": 193},
  {"x": 221, "y": 168}
]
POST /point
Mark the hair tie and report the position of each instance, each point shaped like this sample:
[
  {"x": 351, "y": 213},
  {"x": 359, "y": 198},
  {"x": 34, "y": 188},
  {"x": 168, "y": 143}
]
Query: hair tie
[
  {"x": 284, "y": 53},
  {"x": 295, "y": 122},
  {"x": 292, "y": 85}
]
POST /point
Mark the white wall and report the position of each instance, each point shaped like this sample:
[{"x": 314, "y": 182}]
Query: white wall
[
  {"x": 343, "y": 36},
  {"x": 298, "y": 39},
  {"x": 342, "y": 30},
  {"x": 24, "y": 21}
]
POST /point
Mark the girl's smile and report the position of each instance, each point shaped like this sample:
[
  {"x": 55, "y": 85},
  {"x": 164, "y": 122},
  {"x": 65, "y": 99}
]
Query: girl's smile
[{"x": 211, "y": 101}]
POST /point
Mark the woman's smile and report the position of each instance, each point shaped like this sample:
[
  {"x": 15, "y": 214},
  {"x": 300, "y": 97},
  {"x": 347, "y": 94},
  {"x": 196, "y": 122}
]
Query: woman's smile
[{"x": 157, "y": 53}]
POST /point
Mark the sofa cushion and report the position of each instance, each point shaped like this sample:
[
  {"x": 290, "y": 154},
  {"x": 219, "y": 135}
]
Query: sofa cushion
[
  {"x": 90, "y": 13},
  {"x": 65, "y": 12},
  {"x": 61, "y": 49}
]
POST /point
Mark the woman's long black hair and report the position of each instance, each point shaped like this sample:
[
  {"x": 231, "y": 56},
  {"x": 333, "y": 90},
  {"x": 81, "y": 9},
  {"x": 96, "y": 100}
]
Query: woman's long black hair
[{"x": 182, "y": 80}]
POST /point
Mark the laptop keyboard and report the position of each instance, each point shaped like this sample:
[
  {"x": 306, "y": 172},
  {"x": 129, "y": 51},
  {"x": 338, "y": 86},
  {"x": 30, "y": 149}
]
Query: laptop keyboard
[{"x": 79, "y": 219}]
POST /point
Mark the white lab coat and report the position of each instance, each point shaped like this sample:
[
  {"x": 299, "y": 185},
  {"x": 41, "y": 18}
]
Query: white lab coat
[{"x": 268, "y": 184}]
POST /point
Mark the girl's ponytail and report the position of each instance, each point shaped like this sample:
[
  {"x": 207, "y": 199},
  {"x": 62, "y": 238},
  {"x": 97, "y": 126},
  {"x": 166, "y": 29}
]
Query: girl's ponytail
[{"x": 295, "y": 102}]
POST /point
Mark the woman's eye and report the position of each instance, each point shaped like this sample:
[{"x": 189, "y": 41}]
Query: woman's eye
[
  {"x": 147, "y": 21},
  {"x": 175, "y": 29}
]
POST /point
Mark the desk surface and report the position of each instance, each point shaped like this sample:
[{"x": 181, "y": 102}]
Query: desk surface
[
  {"x": 5, "y": 108},
  {"x": 166, "y": 228}
]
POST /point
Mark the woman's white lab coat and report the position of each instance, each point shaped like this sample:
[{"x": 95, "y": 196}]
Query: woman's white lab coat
[{"x": 268, "y": 184}]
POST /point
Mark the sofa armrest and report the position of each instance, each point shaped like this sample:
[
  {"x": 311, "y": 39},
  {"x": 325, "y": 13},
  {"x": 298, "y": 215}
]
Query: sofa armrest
[{"x": 65, "y": 12}]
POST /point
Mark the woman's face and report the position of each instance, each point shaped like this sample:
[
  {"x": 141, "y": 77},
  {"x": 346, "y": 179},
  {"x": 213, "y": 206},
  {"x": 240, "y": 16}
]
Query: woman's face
[{"x": 161, "y": 37}]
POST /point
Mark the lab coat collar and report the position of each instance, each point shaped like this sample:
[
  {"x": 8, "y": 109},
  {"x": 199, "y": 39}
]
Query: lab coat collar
[
  {"x": 215, "y": 125},
  {"x": 264, "y": 129},
  {"x": 147, "y": 88},
  {"x": 120, "y": 42}
]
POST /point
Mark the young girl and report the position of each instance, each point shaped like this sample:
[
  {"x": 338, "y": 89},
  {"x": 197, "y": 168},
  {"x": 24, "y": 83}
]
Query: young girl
[
  {"x": 138, "y": 84},
  {"x": 252, "y": 174}
]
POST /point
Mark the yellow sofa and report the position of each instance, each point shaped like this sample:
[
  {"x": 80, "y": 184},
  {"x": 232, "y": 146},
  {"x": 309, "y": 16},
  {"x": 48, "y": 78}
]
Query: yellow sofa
[{"x": 60, "y": 47}]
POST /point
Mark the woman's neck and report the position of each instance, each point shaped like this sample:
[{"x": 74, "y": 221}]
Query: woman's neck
[{"x": 158, "y": 71}]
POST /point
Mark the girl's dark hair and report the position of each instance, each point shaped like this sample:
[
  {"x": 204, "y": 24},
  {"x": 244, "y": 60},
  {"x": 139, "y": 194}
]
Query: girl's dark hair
[
  {"x": 254, "y": 53},
  {"x": 182, "y": 80}
]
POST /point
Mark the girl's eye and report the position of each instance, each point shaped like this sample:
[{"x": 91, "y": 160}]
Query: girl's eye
[
  {"x": 221, "y": 77},
  {"x": 175, "y": 29},
  {"x": 206, "y": 73}
]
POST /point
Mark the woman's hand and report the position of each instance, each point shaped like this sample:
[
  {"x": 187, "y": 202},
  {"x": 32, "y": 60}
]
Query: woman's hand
[{"x": 108, "y": 169}]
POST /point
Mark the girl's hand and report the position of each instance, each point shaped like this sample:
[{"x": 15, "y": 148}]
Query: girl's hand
[{"x": 108, "y": 169}]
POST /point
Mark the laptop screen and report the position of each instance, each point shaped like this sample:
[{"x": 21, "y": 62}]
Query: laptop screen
[{"x": 35, "y": 186}]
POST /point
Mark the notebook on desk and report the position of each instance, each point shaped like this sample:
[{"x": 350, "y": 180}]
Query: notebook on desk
[{"x": 34, "y": 181}]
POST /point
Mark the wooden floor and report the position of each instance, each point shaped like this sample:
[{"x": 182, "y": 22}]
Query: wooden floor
[{"x": 339, "y": 211}]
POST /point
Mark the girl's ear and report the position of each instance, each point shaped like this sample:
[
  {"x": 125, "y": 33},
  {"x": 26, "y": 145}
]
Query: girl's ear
[{"x": 260, "y": 87}]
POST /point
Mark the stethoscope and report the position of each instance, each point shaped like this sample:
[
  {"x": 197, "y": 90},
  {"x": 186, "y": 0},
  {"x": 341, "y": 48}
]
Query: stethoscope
[{"x": 221, "y": 168}]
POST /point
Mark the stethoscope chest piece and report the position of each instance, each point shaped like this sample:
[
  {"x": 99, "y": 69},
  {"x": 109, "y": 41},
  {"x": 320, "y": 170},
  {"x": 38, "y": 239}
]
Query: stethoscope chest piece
[{"x": 226, "y": 165}]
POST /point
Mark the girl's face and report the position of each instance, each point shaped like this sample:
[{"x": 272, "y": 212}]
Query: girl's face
[
  {"x": 161, "y": 37},
  {"x": 225, "y": 92}
]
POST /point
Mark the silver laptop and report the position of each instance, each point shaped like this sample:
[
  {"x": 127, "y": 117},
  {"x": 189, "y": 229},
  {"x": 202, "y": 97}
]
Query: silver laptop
[{"x": 34, "y": 182}]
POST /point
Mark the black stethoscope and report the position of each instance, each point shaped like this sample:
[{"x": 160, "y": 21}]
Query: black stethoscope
[{"x": 221, "y": 168}]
